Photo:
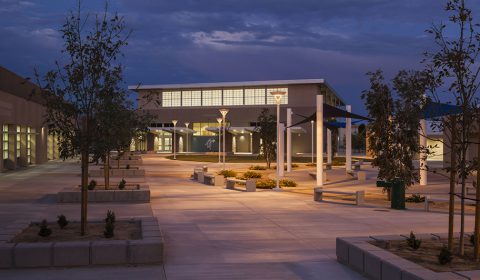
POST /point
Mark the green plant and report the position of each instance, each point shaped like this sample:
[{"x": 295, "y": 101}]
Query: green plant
[
  {"x": 257, "y": 167},
  {"x": 109, "y": 229},
  {"x": 288, "y": 183},
  {"x": 227, "y": 173},
  {"x": 62, "y": 221},
  {"x": 445, "y": 256},
  {"x": 44, "y": 230},
  {"x": 128, "y": 166},
  {"x": 294, "y": 165},
  {"x": 110, "y": 216},
  {"x": 266, "y": 184},
  {"x": 122, "y": 184},
  {"x": 311, "y": 164},
  {"x": 472, "y": 239},
  {"x": 251, "y": 175},
  {"x": 92, "y": 185},
  {"x": 415, "y": 198},
  {"x": 413, "y": 242}
]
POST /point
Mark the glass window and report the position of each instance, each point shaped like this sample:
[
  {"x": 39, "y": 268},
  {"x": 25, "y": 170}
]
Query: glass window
[
  {"x": 201, "y": 129},
  {"x": 18, "y": 141},
  {"x": 254, "y": 96},
  {"x": 29, "y": 145},
  {"x": 171, "y": 99},
  {"x": 233, "y": 97},
  {"x": 191, "y": 98},
  {"x": 5, "y": 141},
  {"x": 271, "y": 99},
  {"x": 212, "y": 97}
]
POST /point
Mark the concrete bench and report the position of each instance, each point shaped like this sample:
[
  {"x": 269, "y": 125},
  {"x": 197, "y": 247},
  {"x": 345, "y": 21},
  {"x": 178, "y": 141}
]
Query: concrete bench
[
  {"x": 212, "y": 179},
  {"x": 314, "y": 175},
  {"x": 357, "y": 165},
  {"x": 250, "y": 184},
  {"x": 197, "y": 170},
  {"x": 429, "y": 200},
  {"x": 359, "y": 195},
  {"x": 328, "y": 166}
]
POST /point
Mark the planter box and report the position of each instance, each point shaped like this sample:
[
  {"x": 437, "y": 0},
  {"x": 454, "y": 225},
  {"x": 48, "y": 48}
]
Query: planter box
[
  {"x": 73, "y": 195},
  {"x": 379, "y": 264},
  {"x": 124, "y": 173},
  {"x": 148, "y": 250}
]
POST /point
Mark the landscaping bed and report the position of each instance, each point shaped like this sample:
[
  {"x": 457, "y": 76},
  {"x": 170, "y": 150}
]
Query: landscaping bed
[
  {"x": 122, "y": 172},
  {"x": 132, "y": 193}
]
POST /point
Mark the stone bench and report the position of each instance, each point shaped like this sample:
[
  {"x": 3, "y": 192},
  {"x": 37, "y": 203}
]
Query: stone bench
[
  {"x": 314, "y": 175},
  {"x": 214, "y": 180},
  {"x": 359, "y": 195},
  {"x": 198, "y": 170},
  {"x": 429, "y": 200},
  {"x": 250, "y": 184}
]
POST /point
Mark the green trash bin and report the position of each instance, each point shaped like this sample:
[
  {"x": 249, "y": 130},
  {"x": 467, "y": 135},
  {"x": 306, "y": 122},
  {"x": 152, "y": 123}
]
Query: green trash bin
[{"x": 397, "y": 193}]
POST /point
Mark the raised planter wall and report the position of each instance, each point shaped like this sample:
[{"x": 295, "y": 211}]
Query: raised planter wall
[
  {"x": 73, "y": 195},
  {"x": 125, "y": 173},
  {"x": 148, "y": 250}
]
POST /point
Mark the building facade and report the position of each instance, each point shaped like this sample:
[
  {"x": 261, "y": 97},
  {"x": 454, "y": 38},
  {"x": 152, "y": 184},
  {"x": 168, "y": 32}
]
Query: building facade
[
  {"x": 25, "y": 139},
  {"x": 198, "y": 106}
]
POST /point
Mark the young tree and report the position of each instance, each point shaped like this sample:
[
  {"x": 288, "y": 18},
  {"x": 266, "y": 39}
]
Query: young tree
[
  {"x": 76, "y": 91},
  {"x": 457, "y": 65},
  {"x": 267, "y": 128}
]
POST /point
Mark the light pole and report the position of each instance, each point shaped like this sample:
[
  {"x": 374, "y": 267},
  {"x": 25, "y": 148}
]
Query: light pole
[
  {"x": 224, "y": 113},
  {"x": 219, "y": 120},
  {"x": 278, "y": 98},
  {"x": 174, "y": 142},
  {"x": 312, "y": 122},
  {"x": 186, "y": 148}
]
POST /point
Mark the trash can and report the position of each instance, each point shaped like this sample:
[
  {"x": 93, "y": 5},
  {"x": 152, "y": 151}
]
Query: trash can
[{"x": 397, "y": 193}]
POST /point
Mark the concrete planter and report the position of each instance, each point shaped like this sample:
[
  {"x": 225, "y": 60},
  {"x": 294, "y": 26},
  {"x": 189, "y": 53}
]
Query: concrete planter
[
  {"x": 122, "y": 172},
  {"x": 73, "y": 195},
  {"x": 148, "y": 250},
  {"x": 379, "y": 264}
]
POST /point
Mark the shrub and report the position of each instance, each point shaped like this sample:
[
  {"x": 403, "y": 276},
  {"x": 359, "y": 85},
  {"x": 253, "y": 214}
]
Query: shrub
[
  {"x": 445, "y": 256},
  {"x": 110, "y": 216},
  {"x": 294, "y": 165},
  {"x": 62, "y": 221},
  {"x": 415, "y": 198},
  {"x": 288, "y": 183},
  {"x": 122, "y": 184},
  {"x": 251, "y": 175},
  {"x": 413, "y": 242},
  {"x": 92, "y": 185},
  {"x": 472, "y": 239},
  {"x": 128, "y": 166},
  {"x": 266, "y": 184},
  {"x": 257, "y": 167},
  {"x": 227, "y": 173},
  {"x": 311, "y": 164},
  {"x": 44, "y": 230},
  {"x": 109, "y": 229}
]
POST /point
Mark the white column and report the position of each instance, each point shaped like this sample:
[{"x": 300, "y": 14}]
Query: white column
[
  {"x": 289, "y": 140},
  {"x": 329, "y": 146},
  {"x": 423, "y": 154},
  {"x": 281, "y": 159},
  {"x": 348, "y": 137},
  {"x": 319, "y": 140}
]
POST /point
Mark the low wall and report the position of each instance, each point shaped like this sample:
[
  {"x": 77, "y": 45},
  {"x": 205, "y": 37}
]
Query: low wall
[
  {"x": 148, "y": 250},
  {"x": 73, "y": 195},
  {"x": 125, "y": 173}
]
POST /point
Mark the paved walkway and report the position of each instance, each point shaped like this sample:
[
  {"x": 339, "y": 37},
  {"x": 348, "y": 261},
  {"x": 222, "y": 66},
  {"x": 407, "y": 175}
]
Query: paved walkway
[{"x": 213, "y": 233}]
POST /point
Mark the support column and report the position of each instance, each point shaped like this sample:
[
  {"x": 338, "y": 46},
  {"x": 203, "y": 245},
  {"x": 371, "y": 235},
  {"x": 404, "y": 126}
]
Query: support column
[
  {"x": 289, "y": 140},
  {"x": 281, "y": 159},
  {"x": 348, "y": 144},
  {"x": 329, "y": 146},
  {"x": 423, "y": 155},
  {"x": 319, "y": 140}
]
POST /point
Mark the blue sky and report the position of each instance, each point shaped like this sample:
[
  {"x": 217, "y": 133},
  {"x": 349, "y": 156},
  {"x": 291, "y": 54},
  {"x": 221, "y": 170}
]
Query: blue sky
[{"x": 182, "y": 41}]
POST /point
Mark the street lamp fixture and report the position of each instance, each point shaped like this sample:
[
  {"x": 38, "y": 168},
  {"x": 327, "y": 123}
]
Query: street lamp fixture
[
  {"x": 186, "y": 148},
  {"x": 174, "y": 139},
  {"x": 278, "y": 99},
  {"x": 224, "y": 113},
  {"x": 219, "y": 120}
]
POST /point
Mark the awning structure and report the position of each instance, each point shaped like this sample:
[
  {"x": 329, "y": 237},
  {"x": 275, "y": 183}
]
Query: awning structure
[
  {"x": 333, "y": 112},
  {"x": 434, "y": 110},
  {"x": 177, "y": 129}
]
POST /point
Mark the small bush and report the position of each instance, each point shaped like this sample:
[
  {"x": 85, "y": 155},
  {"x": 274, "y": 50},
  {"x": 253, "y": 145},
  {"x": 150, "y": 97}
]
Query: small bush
[
  {"x": 128, "y": 166},
  {"x": 92, "y": 185},
  {"x": 266, "y": 184},
  {"x": 415, "y": 198},
  {"x": 413, "y": 242},
  {"x": 311, "y": 164},
  {"x": 227, "y": 173},
  {"x": 445, "y": 256},
  {"x": 288, "y": 183},
  {"x": 257, "y": 167},
  {"x": 44, "y": 230},
  {"x": 472, "y": 239},
  {"x": 129, "y": 158},
  {"x": 251, "y": 175},
  {"x": 294, "y": 165},
  {"x": 109, "y": 229},
  {"x": 110, "y": 216},
  {"x": 62, "y": 221},
  {"x": 122, "y": 184}
]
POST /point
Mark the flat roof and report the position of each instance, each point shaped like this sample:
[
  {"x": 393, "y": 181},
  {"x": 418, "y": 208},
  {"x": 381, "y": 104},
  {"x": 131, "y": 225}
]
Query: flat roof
[{"x": 228, "y": 84}]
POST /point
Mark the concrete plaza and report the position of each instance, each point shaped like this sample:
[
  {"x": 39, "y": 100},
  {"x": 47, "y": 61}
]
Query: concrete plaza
[{"x": 210, "y": 232}]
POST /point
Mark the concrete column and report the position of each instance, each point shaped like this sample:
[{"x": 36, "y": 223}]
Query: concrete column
[
  {"x": 289, "y": 140},
  {"x": 348, "y": 144},
  {"x": 329, "y": 146},
  {"x": 423, "y": 154},
  {"x": 319, "y": 140},
  {"x": 281, "y": 160}
]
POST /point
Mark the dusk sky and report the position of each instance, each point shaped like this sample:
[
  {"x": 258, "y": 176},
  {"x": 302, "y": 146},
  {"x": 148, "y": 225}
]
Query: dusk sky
[{"x": 183, "y": 41}]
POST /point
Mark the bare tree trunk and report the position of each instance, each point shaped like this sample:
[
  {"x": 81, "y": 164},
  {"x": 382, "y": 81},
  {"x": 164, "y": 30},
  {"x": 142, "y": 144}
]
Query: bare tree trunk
[
  {"x": 477, "y": 203},
  {"x": 106, "y": 170},
  {"x": 84, "y": 196},
  {"x": 451, "y": 204}
]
